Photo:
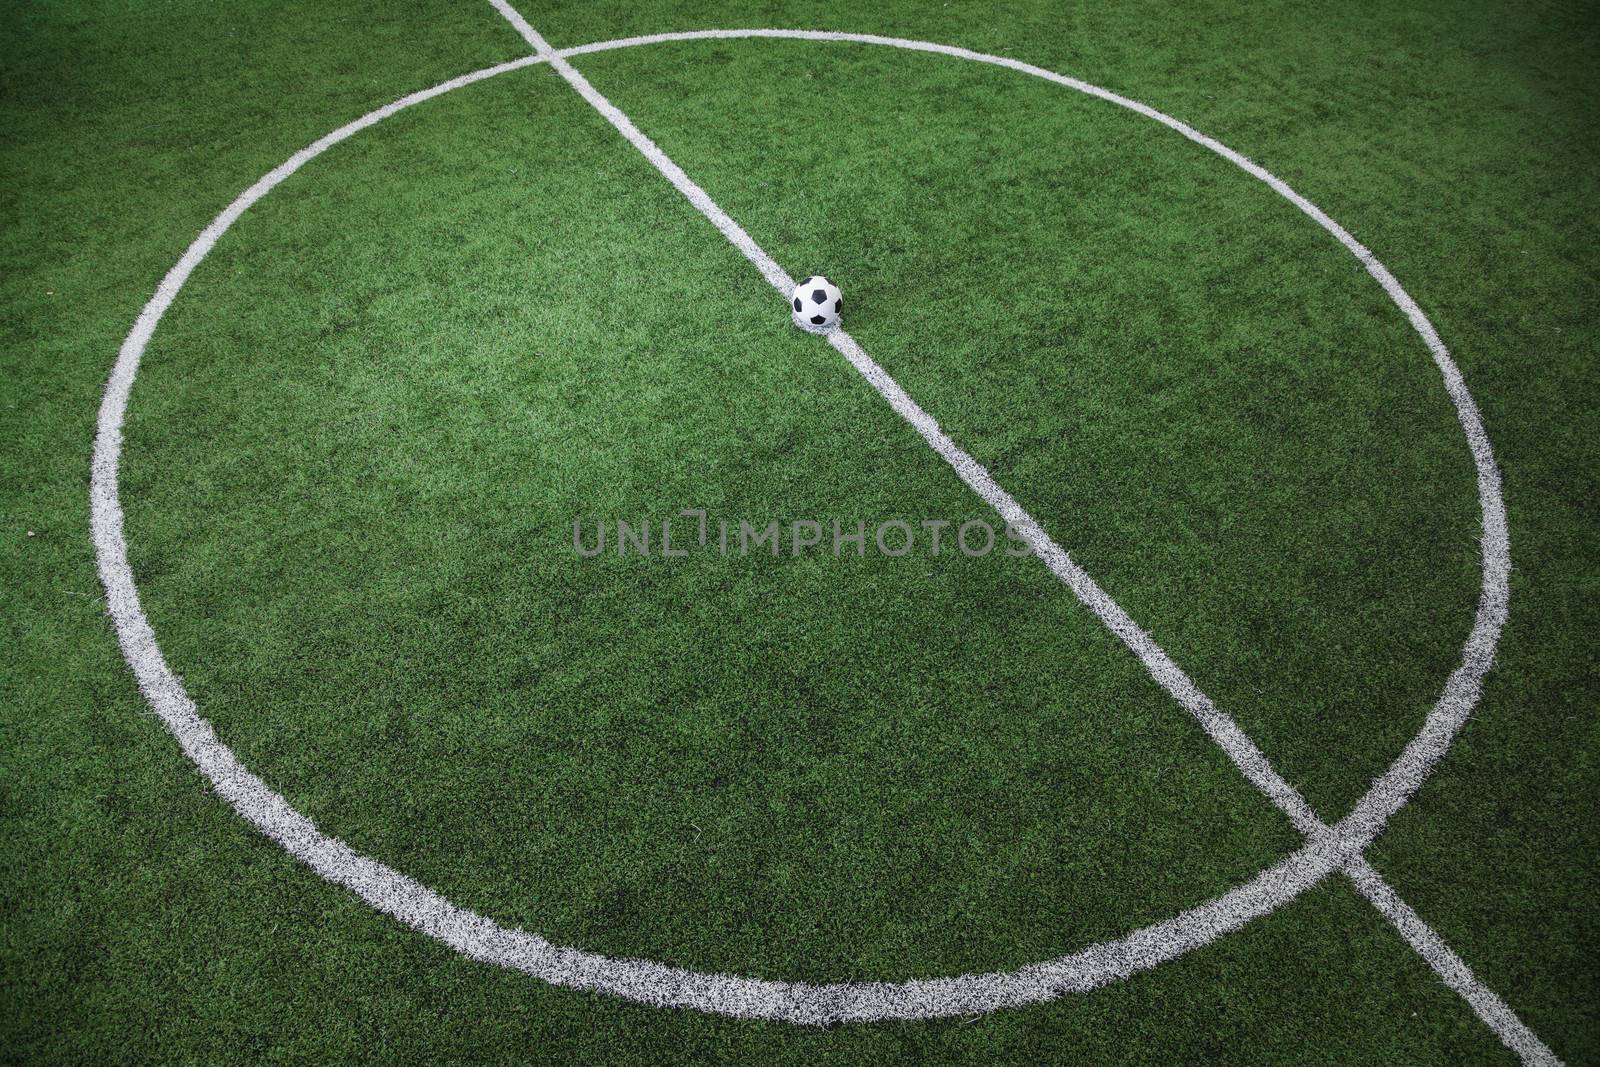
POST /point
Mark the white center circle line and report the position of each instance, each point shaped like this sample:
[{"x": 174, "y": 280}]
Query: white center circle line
[{"x": 655, "y": 983}]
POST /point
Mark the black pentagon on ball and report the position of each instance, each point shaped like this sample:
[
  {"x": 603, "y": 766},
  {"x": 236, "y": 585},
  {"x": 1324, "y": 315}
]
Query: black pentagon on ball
[
  {"x": 817, "y": 320},
  {"x": 807, "y": 281},
  {"x": 819, "y": 295},
  {"x": 837, "y": 304},
  {"x": 797, "y": 303}
]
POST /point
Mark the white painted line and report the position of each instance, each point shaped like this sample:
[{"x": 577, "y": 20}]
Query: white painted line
[
  {"x": 1391, "y": 791},
  {"x": 1168, "y": 674},
  {"x": 414, "y": 904},
  {"x": 1450, "y": 967},
  {"x": 1461, "y": 692},
  {"x": 480, "y": 938},
  {"x": 776, "y": 276},
  {"x": 540, "y": 46},
  {"x": 1218, "y": 726}
]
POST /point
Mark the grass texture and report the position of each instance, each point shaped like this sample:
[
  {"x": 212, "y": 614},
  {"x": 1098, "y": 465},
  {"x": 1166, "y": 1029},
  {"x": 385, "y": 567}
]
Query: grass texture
[{"x": 361, "y": 435}]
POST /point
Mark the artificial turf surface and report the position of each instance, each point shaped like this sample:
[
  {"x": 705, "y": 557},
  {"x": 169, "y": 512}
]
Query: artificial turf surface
[{"x": 360, "y": 437}]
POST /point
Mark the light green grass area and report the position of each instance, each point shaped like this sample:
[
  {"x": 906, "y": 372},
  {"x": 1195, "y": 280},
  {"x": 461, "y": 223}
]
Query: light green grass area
[{"x": 360, "y": 437}]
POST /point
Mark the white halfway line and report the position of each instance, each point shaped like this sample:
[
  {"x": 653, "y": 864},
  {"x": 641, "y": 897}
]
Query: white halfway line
[
  {"x": 1221, "y": 728},
  {"x": 477, "y": 937}
]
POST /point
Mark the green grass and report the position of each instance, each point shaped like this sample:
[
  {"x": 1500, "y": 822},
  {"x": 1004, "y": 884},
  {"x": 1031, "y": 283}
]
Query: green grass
[
  {"x": 360, "y": 437},
  {"x": 857, "y": 767}
]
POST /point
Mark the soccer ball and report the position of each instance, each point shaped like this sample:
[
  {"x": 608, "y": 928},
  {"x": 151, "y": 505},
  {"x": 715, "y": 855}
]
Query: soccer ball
[{"x": 815, "y": 304}]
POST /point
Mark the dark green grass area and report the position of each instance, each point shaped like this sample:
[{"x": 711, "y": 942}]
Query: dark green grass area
[{"x": 361, "y": 436}]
